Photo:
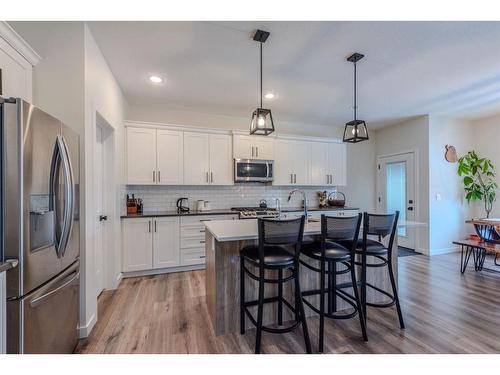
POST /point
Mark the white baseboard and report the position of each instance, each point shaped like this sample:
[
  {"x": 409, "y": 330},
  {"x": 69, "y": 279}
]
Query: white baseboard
[
  {"x": 84, "y": 331},
  {"x": 162, "y": 271},
  {"x": 444, "y": 250}
]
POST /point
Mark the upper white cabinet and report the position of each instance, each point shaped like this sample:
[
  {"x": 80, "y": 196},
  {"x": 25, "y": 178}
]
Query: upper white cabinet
[
  {"x": 16, "y": 64},
  {"x": 328, "y": 164},
  {"x": 253, "y": 147},
  {"x": 141, "y": 156},
  {"x": 207, "y": 159},
  {"x": 337, "y": 164},
  {"x": 292, "y": 162},
  {"x": 154, "y": 156},
  {"x": 169, "y": 157}
]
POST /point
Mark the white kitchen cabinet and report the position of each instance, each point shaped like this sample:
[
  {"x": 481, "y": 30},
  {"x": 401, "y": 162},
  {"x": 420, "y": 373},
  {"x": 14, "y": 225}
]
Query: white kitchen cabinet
[
  {"x": 328, "y": 164},
  {"x": 165, "y": 242},
  {"x": 137, "y": 241},
  {"x": 141, "y": 156},
  {"x": 154, "y": 156},
  {"x": 292, "y": 162},
  {"x": 150, "y": 243},
  {"x": 196, "y": 158},
  {"x": 221, "y": 163},
  {"x": 319, "y": 163},
  {"x": 169, "y": 157},
  {"x": 253, "y": 147},
  {"x": 337, "y": 168},
  {"x": 16, "y": 73},
  {"x": 207, "y": 159}
]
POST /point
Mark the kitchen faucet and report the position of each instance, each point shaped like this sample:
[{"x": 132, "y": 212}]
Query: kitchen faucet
[
  {"x": 278, "y": 207},
  {"x": 303, "y": 196}
]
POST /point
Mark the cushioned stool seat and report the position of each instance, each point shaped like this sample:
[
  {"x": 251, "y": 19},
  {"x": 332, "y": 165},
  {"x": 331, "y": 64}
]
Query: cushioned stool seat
[
  {"x": 333, "y": 251},
  {"x": 273, "y": 255}
]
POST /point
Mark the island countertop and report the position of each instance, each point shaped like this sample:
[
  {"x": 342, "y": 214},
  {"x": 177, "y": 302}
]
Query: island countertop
[{"x": 238, "y": 230}]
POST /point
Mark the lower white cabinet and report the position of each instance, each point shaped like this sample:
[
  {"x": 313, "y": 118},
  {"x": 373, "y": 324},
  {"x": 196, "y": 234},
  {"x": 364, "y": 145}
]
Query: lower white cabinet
[
  {"x": 137, "y": 241},
  {"x": 165, "y": 242},
  {"x": 150, "y": 243}
]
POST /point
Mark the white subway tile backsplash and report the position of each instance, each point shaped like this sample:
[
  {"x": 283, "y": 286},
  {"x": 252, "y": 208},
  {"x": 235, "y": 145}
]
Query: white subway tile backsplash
[{"x": 163, "y": 198}]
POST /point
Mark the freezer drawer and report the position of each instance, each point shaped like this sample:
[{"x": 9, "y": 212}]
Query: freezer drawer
[{"x": 45, "y": 321}]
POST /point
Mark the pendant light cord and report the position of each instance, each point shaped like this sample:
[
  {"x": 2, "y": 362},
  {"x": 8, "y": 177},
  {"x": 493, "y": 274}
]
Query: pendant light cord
[
  {"x": 355, "y": 105},
  {"x": 260, "y": 74}
]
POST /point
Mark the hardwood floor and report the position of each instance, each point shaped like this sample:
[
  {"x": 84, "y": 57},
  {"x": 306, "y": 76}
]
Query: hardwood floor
[{"x": 444, "y": 311}]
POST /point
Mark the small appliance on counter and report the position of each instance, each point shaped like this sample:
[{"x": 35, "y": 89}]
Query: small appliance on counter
[
  {"x": 336, "y": 199},
  {"x": 202, "y": 205},
  {"x": 181, "y": 206},
  {"x": 322, "y": 199},
  {"x": 263, "y": 203}
]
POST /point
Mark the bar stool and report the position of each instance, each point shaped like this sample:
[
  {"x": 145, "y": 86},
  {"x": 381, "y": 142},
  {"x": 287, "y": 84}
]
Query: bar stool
[
  {"x": 330, "y": 253},
  {"x": 381, "y": 226},
  {"x": 279, "y": 250}
]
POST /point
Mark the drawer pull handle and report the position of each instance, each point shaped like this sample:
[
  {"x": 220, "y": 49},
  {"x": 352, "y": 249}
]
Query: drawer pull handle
[
  {"x": 202, "y": 256},
  {"x": 202, "y": 241},
  {"x": 202, "y": 231}
]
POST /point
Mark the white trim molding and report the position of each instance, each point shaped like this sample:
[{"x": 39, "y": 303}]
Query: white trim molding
[
  {"x": 18, "y": 43},
  {"x": 84, "y": 331}
]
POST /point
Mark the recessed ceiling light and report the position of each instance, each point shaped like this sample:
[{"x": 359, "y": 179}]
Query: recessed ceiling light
[
  {"x": 156, "y": 79},
  {"x": 269, "y": 95}
]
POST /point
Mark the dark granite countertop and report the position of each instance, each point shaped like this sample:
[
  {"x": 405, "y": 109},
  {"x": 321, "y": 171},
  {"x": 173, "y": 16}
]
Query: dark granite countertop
[{"x": 225, "y": 212}]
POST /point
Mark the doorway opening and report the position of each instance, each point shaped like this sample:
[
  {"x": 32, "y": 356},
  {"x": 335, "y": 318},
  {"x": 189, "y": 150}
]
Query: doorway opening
[{"x": 397, "y": 189}]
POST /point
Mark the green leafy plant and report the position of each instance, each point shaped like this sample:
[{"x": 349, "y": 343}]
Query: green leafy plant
[{"x": 479, "y": 179}]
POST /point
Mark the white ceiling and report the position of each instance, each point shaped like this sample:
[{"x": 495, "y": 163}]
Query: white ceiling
[{"x": 410, "y": 68}]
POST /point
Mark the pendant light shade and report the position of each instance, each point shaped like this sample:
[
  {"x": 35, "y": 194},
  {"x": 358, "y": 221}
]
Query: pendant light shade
[
  {"x": 355, "y": 131},
  {"x": 262, "y": 119}
]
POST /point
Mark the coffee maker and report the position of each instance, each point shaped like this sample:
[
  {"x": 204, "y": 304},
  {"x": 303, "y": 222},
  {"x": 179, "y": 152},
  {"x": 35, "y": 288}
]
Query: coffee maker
[{"x": 181, "y": 206}]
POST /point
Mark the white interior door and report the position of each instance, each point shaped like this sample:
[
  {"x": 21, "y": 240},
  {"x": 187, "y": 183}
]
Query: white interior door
[
  {"x": 396, "y": 187},
  {"x": 99, "y": 210}
]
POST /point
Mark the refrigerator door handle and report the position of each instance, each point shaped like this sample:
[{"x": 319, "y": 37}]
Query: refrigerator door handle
[
  {"x": 60, "y": 157},
  {"x": 68, "y": 280}
]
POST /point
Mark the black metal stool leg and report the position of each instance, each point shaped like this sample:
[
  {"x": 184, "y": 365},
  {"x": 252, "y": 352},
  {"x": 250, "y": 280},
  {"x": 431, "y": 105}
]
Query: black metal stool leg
[
  {"x": 301, "y": 312},
  {"x": 330, "y": 291},
  {"x": 363, "y": 285},
  {"x": 321, "y": 306},
  {"x": 242, "y": 295},
  {"x": 280, "y": 298},
  {"x": 395, "y": 294},
  {"x": 358, "y": 301},
  {"x": 260, "y": 312}
]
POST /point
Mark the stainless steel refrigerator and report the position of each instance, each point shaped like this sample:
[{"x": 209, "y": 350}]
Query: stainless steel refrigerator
[{"x": 40, "y": 228}]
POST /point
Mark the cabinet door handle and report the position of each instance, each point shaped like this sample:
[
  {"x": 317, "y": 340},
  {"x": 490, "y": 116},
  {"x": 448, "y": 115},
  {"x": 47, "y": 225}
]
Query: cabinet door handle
[
  {"x": 149, "y": 224},
  {"x": 257, "y": 151},
  {"x": 294, "y": 178},
  {"x": 252, "y": 151},
  {"x": 159, "y": 178},
  {"x": 153, "y": 176},
  {"x": 211, "y": 176},
  {"x": 155, "y": 226},
  {"x": 207, "y": 177},
  {"x": 327, "y": 179},
  {"x": 291, "y": 178}
]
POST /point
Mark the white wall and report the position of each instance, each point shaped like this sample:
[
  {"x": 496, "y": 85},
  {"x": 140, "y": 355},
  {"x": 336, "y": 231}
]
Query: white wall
[
  {"x": 486, "y": 136},
  {"x": 104, "y": 102},
  {"x": 411, "y": 135},
  {"x": 448, "y": 208}
]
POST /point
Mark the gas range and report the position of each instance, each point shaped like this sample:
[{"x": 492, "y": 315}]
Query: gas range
[{"x": 255, "y": 212}]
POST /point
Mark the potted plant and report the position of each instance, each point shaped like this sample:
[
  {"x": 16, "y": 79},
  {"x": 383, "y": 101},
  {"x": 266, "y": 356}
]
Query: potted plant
[{"x": 479, "y": 179}]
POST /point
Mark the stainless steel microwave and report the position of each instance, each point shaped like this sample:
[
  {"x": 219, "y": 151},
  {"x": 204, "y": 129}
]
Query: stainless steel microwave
[{"x": 249, "y": 170}]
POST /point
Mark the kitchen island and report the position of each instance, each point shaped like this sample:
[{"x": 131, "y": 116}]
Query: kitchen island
[{"x": 223, "y": 241}]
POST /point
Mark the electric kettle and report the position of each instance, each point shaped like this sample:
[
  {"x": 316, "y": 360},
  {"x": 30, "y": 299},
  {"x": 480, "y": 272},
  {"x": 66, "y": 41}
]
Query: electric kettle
[{"x": 181, "y": 207}]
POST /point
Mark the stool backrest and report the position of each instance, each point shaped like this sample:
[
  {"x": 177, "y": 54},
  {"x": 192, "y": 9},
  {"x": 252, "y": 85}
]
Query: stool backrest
[
  {"x": 281, "y": 232},
  {"x": 341, "y": 228},
  {"x": 381, "y": 225}
]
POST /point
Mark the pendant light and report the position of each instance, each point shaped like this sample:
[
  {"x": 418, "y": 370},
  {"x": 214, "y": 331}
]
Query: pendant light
[
  {"x": 262, "y": 119},
  {"x": 355, "y": 131}
]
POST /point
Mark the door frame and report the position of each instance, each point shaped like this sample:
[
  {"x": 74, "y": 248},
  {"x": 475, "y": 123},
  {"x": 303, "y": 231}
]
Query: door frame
[
  {"x": 416, "y": 183},
  {"x": 108, "y": 198}
]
